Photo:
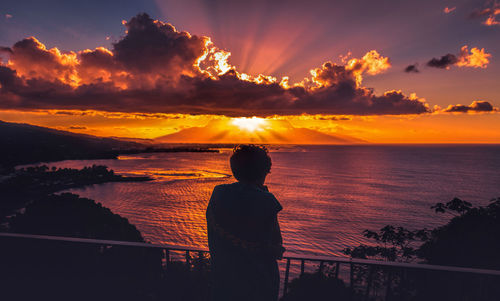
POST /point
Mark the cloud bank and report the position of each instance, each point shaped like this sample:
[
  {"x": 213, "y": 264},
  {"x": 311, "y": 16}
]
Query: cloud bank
[
  {"x": 476, "y": 58},
  {"x": 476, "y": 106},
  {"x": 155, "y": 68}
]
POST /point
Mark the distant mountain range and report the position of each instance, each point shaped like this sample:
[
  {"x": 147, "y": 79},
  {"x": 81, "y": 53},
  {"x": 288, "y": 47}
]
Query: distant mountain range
[
  {"x": 272, "y": 132},
  {"x": 25, "y": 144}
]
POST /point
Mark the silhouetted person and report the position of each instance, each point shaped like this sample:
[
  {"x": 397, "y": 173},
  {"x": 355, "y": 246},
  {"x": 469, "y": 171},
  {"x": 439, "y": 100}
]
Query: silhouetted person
[{"x": 244, "y": 236}]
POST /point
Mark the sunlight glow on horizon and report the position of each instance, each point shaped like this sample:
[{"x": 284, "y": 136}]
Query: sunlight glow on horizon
[{"x": 249, "y": 124}]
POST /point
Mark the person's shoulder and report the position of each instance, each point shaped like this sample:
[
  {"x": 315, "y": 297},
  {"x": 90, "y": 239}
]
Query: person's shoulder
[
  {"x": 273, "y": 202},
  {"x": 225, "y": 187},
  {"x": 268, "y": 199},
  {"x": 264, "y": 192}
]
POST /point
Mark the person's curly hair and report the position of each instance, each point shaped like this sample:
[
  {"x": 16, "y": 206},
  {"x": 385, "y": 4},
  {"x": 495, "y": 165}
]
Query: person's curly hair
[{"x": 250, "y": 162}]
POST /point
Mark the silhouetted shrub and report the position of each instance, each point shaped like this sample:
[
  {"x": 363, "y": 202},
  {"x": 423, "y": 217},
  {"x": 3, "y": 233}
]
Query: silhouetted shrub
[
  {"x": 470, "y": 239},
  {"x": 319, "y": 286},
  {"x": 69, "y": 215},
  {"x": 393, "y": 244},
  {"x": 35, "y": 182},
  {"x": 59, "y": 270},
  {"x": 187, "y": 282}
]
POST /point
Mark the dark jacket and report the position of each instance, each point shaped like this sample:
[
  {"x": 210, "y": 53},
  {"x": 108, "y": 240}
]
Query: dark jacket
[{"x": 245, "y": 241}]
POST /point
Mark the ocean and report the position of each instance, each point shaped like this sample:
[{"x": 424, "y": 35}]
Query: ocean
[{"x": 330, "y": 194}]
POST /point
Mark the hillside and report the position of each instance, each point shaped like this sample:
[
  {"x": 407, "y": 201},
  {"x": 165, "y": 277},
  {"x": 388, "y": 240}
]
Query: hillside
[{"x": 24, "y": 144}]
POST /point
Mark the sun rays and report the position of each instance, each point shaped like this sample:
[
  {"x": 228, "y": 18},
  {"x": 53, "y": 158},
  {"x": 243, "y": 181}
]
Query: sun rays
[{"x": 249, "y": 124}]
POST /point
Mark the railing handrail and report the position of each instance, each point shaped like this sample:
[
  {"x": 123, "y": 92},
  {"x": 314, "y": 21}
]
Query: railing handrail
[
  {"x": 288, "y": 257},
  {"x": 104, "y": 242}
]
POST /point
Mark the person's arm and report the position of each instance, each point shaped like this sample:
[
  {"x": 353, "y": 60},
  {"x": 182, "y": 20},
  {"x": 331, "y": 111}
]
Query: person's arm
[
  {"x": 226, "y": 235},
  {"x": 277, "y": 232},
  {"x": 277, "y": 248}
]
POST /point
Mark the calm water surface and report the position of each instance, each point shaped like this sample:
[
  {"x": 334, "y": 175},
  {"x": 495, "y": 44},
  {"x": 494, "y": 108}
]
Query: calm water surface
[{"x": 330, "y": 194}]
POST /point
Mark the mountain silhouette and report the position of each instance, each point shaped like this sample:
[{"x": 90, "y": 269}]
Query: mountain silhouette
[
  {"x": 272, "y": 132},
  {"x": 25, "y": 143}
]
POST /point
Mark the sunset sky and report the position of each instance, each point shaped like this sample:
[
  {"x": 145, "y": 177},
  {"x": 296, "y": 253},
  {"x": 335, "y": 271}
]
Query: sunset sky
[{"x": 382, "y": 71}]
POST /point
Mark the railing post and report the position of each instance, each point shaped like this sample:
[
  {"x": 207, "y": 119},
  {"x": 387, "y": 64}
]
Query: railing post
[
  {"x": 368, "y": 282},
  {"x": 479, "y": 290},
  {"x": 404, "y": 279},
  {"x": 485, "y": 293},
  {"x": 200, "y": 262},
  {"x": 302, "y": 263},
  {"x": 188, "y": 259},
  {"x": 389, "y": 284},
  {"x": 287, "y": 273},
  {"x": 321, "y": 266},
  {"x": 167, "y": 257},
  {"x": 337, "y": 267},
  {"x": 351, "y": 275}
]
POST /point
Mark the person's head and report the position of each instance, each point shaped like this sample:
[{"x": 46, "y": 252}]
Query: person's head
[{"x": 250, "y": 163}]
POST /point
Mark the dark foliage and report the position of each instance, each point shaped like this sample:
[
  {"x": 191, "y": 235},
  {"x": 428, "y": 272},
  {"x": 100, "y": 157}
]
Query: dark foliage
[
  {"x": 470, "y": 239},
  {"x": 319, "y": 286},
  {"x": 42, "y": 180},
  {"x": 456, "y": 205},
  {"x": 69, "y": 215},
  {"x": 393, "y": 244},
  {"x": 183, "y": 282},
  {"x": 61, "y": 270},
  {"x": 29, "y": 184}
]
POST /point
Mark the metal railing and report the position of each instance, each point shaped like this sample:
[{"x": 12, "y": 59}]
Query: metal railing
[{"x": 336, "y": 262}]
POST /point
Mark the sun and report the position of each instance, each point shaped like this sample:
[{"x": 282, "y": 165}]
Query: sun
[{"x": 249, "y": 124}]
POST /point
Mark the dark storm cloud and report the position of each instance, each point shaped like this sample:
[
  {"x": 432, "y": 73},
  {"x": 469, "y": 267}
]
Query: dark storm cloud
[
  {"x": 475, "y": 106},
  {"x": 444, "y": 62},
  {"x": 9, "y": 80},
  {"x": 156, "y": 69},
  {"x": 5, "y": 50},
  {"x": 341, "y": 95},
  {"x": 412, "y": 69},
  {"x": 151, "y": 46}
]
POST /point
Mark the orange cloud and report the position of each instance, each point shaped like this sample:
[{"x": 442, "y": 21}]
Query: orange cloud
[
  {"x": 491, "y": 10},
  {"x": 31, "y": 59},
  {"x": 372, "y": 63},
  {"x": 448, "y": 10},
  {"x": 491, "y": 20},
  {"x": 477, "y": 58},
  {"x": 155, "y": 68}
]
